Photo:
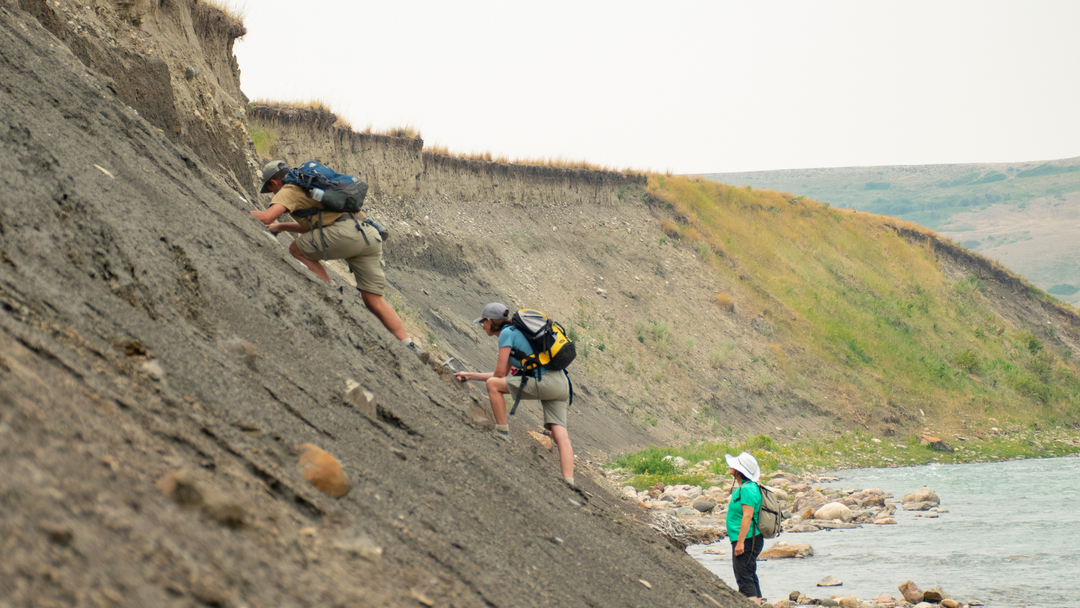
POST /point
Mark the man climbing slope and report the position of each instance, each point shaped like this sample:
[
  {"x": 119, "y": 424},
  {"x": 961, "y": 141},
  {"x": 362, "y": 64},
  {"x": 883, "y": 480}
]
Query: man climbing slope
[{"x": 342, "y": 236}]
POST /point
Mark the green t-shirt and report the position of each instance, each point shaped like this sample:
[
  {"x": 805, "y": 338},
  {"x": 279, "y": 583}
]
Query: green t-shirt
[{"x": 747, "y": 494}]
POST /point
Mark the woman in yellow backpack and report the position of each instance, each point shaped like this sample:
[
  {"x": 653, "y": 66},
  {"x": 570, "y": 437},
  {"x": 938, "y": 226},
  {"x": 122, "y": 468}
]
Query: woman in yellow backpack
[{"x": 552, "y": 389}]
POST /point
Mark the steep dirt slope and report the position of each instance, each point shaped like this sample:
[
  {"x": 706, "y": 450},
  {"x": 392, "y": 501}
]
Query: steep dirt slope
[
  {"x": 128, "y": 272},
  {"x": 170, "y": 60}
]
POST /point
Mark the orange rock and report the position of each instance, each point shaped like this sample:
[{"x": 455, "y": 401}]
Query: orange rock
[
  {"x": 323, "y": 471},
  {"x": 542, "y": 438}
]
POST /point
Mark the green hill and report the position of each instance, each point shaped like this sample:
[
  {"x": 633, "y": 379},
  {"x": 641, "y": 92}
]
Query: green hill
[
  {"x": 924, "y": 194},
  {"x": 881, "y": 321},
  {"x": 1023, "y": 214}
]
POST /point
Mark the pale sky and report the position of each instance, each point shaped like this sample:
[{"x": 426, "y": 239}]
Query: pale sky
[{"x": 690, "y": 87}]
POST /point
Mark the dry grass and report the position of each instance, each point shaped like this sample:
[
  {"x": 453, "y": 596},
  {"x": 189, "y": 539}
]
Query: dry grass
[
  {"x": 402, "y": 131},
  {"x": 556, "y": 161},
  {"x": 669, "y": 228},
  {"x": 236, "y": 10},
  {"x": 724, "y": 301},
  {"x": 314, "y": 104},
  {"x": 440, "y": 150},
  {"x": 318, "y": 105}
]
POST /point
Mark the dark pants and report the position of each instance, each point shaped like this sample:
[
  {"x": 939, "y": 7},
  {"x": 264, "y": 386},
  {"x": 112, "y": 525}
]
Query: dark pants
[{"x": 746, "y": 565}]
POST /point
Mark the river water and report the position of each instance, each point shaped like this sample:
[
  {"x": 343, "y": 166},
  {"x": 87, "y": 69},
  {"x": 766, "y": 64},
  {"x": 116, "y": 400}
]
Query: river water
[{"x": 1011, "y": 537}]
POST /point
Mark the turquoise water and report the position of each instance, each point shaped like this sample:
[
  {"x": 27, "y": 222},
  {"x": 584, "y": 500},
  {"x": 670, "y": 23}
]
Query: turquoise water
[{"x": 1011, "y": 538}]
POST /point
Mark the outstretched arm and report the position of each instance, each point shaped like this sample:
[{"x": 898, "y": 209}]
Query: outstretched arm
[
  {"x": 267, "y": 217},
  {"x": 286, "y": 227},
  {"x": 502, "y": 369}
]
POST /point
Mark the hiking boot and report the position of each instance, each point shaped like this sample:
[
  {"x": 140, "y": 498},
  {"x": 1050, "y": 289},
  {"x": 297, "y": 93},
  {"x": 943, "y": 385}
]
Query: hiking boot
[{"x": 504, "y": 435}]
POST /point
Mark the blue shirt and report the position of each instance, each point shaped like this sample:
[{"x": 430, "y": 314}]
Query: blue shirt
[{"x": 512, "y": 337}]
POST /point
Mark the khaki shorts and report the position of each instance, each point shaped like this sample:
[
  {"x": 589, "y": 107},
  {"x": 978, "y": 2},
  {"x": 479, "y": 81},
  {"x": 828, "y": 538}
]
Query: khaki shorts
[
  {"x": 345, "y": 242},
  {"x": 553, "y": 391}
]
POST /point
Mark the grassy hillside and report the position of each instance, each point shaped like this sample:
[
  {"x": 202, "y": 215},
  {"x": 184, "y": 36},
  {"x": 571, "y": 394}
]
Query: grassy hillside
[
  {"x": 1023, "y": 214},
  {"x": 868, "y": 323},
  {"x": 925, "y": 194}
]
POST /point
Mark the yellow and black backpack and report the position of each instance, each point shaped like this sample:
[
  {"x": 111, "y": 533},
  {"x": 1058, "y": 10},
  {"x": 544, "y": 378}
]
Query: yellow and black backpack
[{"x": 552, "y": 348}]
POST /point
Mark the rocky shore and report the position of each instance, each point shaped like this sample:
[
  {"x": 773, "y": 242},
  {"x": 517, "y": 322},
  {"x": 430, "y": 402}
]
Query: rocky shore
[
  {"x": 807, "y": 507},
  {"x": 691, "y": 514},
  {"x": 910, "y": 596}
]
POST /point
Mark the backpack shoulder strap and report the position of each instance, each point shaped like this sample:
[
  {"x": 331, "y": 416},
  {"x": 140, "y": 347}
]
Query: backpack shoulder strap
[{"x": 757, "y": 510}]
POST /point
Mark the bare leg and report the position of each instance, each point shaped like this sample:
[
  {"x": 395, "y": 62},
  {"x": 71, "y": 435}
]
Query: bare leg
[
  {"x": 312, "y": 265},
  {"x": 385, "y": 313},
  {"x": 566, "y": 451},
  {"x": 496, "y": 389}
]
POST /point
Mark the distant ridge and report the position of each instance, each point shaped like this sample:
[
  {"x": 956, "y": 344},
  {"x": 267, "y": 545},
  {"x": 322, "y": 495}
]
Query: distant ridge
[{"x": 1022, "y": 214}]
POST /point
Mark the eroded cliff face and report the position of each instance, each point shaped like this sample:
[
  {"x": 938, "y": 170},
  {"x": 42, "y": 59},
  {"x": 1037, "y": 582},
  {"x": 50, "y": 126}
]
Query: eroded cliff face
[
  {"x": 391, "y": 166},
  {"x": 401, "y": 176},
  {"x": 170, "y": 60}
]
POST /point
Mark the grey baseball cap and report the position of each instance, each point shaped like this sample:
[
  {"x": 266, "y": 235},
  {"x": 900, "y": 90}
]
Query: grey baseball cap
[
  {"x": 494, "y": 310},
  {"x": 271, "y": 169}
]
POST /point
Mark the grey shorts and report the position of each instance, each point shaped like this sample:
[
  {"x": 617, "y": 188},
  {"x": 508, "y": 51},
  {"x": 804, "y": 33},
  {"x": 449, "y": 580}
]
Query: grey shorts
[
  {"x": 345, "y": 242},
  {"x": 553, "y": 391}
]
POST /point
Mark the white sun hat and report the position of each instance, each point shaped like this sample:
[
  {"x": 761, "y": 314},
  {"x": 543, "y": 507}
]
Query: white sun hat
[{"x": 746, "y": 464}]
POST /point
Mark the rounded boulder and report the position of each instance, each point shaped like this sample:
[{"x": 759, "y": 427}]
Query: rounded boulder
[
  {"x": 834, "y": 510},
  {"x": 923, "y": 494},
  {"x": 704, "y": 504},
  {"x": 323, "y": 471}
]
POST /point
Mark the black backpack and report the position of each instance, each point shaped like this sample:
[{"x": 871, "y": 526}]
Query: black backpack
[
  {"x": 336, "y": 192},
  {"x": 552, "y": 348}
]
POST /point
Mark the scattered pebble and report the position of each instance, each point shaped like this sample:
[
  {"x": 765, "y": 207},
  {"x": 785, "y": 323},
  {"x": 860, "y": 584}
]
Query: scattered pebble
[
  {"x": 153, "y": 369},
  {"x": 830, "y": 581},
  {"x": 360, "y": 398},
  {"x": 359, "y": 544}
]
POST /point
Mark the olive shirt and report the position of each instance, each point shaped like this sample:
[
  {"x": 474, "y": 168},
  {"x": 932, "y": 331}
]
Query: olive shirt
[
  {"x": 747, "y": 494},
  {"x": 293, "y": 198}
]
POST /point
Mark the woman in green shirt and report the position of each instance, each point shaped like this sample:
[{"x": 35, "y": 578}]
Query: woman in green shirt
[{"x": 742, "y": 514}]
